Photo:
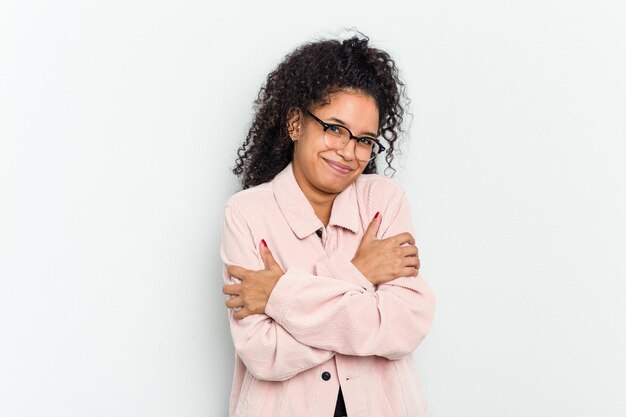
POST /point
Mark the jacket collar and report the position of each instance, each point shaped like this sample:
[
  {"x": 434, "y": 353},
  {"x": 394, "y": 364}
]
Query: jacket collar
[{"x": 299, "y": 213}]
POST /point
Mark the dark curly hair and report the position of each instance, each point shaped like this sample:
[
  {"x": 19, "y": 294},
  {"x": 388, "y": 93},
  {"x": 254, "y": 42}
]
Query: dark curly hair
[{"x": 306, "y": 78}]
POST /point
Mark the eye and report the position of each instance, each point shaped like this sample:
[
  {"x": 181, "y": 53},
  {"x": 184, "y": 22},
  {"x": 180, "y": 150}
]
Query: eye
[
  {"x": 334, "y": 129},
  {"x": 366, "y": 141}
]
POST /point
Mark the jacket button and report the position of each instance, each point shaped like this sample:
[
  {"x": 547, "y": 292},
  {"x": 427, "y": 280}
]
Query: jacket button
[{"x": 325, "y": 376}]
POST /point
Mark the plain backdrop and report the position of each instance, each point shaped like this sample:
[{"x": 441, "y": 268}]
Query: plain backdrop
[{"x": 119, "y": 123}]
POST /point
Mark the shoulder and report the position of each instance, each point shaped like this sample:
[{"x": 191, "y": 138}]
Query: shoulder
[
  {"x": 253, "y": 199},
  {"x": 382, "y": 194},
  {"x": 377, "y": 193},
  {"x": 379, "y": 187}
]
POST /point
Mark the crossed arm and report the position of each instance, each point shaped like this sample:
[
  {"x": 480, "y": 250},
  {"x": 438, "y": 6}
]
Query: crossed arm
[{"x": 296, "y": 320}]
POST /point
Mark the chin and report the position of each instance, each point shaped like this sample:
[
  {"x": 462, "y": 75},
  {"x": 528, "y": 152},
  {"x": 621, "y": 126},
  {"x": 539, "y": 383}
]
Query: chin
[{"x": 333, "y": 183}]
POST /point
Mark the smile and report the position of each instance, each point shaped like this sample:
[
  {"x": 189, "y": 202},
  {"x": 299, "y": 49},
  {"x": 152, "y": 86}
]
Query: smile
[{"x": 339, "y": 168}]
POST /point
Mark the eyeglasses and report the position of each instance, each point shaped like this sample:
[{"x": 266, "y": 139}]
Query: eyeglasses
[{"x": 337, "y": 137}]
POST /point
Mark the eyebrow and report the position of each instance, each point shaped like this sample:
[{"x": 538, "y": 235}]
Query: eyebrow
[{"x": 341, "y": 122}]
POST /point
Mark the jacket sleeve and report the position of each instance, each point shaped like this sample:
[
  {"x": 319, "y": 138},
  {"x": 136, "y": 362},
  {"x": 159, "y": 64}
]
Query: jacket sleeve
[
  {"x": 340, "y": 310},
  {"x": 265, "y": 347}
]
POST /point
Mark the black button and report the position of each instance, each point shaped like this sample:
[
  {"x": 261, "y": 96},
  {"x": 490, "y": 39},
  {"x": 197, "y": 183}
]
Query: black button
[
  {"x": 325, "y": 376},
  {"x": 318, "y": 232}
]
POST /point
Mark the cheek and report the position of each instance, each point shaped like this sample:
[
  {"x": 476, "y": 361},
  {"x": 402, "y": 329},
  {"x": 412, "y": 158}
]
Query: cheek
[{"x": 309, "y": 149}]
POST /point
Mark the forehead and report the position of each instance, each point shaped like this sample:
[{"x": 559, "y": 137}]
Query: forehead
[{"x": 358, "y": 111}]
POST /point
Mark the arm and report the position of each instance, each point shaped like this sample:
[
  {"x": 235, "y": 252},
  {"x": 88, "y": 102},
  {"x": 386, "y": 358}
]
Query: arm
[
  {"x": 340, "y": 310},
  {"x": 265, "y": 347}
]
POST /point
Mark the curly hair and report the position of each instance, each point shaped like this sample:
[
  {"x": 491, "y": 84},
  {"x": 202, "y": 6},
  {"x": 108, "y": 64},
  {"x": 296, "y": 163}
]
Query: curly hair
[{"x": 306, "y": 78}]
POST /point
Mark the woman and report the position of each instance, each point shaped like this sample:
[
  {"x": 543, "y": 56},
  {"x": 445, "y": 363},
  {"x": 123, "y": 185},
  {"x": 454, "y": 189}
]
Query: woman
[{"x": 326, "y": 302}]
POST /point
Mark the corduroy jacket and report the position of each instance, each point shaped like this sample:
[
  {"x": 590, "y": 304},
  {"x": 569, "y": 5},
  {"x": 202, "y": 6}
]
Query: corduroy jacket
[{"x": 325, "y": 324}]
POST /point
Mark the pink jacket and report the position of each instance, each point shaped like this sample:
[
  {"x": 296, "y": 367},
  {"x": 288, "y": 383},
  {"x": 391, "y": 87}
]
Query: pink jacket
[{"x": 324, "y": 316}]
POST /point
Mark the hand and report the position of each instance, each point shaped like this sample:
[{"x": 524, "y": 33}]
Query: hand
[
  {"x": 386, "y": 259},
  {"x": 255, "y": 287}
]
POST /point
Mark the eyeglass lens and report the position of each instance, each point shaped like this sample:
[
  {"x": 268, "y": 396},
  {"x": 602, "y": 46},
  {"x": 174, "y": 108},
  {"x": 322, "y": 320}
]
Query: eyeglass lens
[{"x": 337, "y": 137}]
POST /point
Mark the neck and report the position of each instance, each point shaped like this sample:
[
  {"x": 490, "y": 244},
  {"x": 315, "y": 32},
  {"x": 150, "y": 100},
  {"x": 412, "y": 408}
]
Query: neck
[
  {"x": 321, "y": 201},
  {"x": 322, "y": 207}
]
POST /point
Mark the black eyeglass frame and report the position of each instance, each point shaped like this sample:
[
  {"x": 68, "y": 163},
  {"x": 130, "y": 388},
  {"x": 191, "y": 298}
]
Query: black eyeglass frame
[{"x": 326, "y": 126}]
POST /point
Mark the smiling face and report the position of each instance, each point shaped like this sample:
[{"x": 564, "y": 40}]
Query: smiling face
[{"x": 321, "y": 171}]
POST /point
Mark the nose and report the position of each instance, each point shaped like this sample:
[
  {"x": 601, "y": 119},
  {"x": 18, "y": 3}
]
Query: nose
[{"x": 347, "y": 152}]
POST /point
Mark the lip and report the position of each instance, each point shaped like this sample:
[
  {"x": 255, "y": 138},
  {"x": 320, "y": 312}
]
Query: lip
[{"x": 339, "y": 168}]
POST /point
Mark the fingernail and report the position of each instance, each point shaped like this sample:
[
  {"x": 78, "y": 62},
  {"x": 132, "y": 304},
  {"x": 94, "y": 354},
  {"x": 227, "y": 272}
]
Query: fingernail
[
  {"x": 263, "y": 242},
  {"x": 377, "y": 213}
]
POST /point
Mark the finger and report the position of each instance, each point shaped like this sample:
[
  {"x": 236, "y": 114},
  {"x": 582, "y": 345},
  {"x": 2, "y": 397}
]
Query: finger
[
  {"x": 412, "y": 261},
  {"x": 409, "y": 272},
  {"x": 372, "y": 228},
  {"x": 232, "y": 289},
  {"x": 241, "y": 314},
  {"x": 266, "y": 255},
  {"x": 409, "y": 250},
  {"x": 403, "y": 238},
  {"x": 234, "y": 302},
  {"x": 237, "y": 272}
]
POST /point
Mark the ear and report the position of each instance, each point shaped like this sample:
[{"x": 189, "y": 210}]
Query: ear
[{"x": 294, "y": 123}]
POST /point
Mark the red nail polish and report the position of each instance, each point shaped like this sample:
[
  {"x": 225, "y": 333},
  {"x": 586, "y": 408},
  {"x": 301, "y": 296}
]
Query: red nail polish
[
  {"x": 377, "y": 213},
  {"x": 263, "y": 242}
]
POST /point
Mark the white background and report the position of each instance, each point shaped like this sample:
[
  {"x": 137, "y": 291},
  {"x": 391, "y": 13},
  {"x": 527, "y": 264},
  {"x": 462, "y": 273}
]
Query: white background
[{"x": 120, "y": 121}]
